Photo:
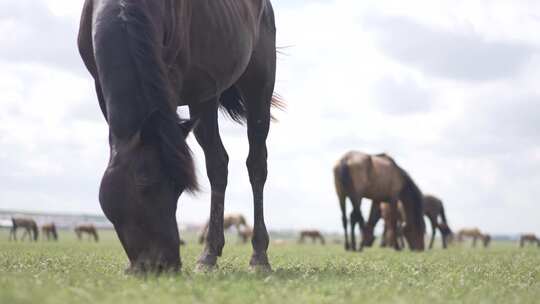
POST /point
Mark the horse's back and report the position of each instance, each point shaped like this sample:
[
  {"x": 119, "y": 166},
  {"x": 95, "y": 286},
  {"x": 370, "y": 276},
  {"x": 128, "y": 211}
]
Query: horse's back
[
  {"x": 386, "y": 179},
  {"x": 432, "y": 204},
  {"x": 350, "y": 172}
]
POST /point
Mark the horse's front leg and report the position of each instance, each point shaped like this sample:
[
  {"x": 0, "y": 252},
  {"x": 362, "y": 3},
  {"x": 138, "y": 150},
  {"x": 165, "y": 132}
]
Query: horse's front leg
[{"x": 217, "y": 160}]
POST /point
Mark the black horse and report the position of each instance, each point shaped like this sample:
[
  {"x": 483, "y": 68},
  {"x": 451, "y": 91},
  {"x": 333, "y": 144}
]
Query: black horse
[{"x": 148, "y": 57}]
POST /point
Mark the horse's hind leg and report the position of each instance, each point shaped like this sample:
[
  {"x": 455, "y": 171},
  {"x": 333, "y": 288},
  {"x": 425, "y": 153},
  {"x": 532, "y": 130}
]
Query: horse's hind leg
[
  {"x": 257, "y": 87},
  {"x": 356, "y": 217},
  {"x": 344, "y": 220},
  {"x": 433, "y": 231},
  {"x": 207, "y": 135}
]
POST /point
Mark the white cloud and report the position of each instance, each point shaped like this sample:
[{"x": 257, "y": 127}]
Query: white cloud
[{"x": 473, "y": 143}]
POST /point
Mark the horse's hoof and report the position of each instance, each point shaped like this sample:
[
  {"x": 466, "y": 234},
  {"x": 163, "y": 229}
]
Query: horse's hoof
[
  {"x": 205, "y": 268},
  {"x": 260, "y": 268},
  {"x": 259, "y": 263}
]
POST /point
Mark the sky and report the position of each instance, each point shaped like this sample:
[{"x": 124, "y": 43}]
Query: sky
[{"x": 450, "y": 89}]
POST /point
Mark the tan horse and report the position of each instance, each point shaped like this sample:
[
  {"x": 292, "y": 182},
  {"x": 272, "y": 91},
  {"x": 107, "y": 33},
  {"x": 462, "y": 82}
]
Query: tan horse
[
  {"x": 29, "y": 225},
  {"x": 49, "y": 230},
  {"x": 313, "y": 234},
  {"x": 88, "y": 229},
  {"x": 389, "y": 213},
  {"x": 229, "y": 220},
  {"x": 475, "y": 234},
  {"x": 378, "y": 177},
  {"x": 528, "y": 238},
  {"x": 245, "y": 234}
]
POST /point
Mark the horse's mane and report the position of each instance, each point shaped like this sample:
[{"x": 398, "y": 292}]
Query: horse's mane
[
  {"x": 145, "y": 49},
  {"x": 410, "y": 193}
]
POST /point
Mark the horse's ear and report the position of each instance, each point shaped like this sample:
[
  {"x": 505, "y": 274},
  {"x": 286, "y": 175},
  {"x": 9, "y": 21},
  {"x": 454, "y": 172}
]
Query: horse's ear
[{"x": 188, "y": 125}]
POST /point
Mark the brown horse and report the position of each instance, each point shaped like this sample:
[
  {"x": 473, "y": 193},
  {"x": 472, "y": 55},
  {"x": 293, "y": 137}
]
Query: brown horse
[
  {"x": 475, "y": 234},
  {"x": 88, "y": 229},
  {"x": 29, "y": 225},
  {"x": 49, "y": 230},
  {"x": 229, "y": 220},
  {"x": 313, "y": 234},
  {"x": 378, "y": 177},
  {"x": 148, "y": 57},
  {"x": 528, "y": 238},
  {"x": 433, "y": 209}
]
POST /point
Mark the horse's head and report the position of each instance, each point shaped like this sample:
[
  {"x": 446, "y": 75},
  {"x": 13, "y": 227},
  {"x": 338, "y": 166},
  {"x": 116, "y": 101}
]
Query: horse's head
[
  {"x": 368, "y": 236},
  {"x": 140, "y": 190},
  {"x": 414, "y": 236}
]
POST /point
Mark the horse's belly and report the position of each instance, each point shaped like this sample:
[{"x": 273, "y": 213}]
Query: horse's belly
[{"x": 223, "y": 36}]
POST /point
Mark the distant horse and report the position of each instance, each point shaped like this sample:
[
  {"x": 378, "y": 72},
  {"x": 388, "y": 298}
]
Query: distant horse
[
  {"x": 475, "y": 234},
  {"x": 86, "y": 229},
  {"x": 49, "y": 230},
  {"x": 29, "y": 225},
  {"x": 313, "y": 234},
  {"x": 229, "y": 220},
  {"x": 433, "y": 208},
  {"x": 378, "y": 177},
  {"x": 528, "y": 238},
  {"x": 148, "y": 57},
  {"x": 245, "y": 234}
]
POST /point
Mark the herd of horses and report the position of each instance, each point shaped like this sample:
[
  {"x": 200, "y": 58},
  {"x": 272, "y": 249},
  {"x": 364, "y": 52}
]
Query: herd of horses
[
  {"x": 147, "y": 58},
  {"x": 49, "y": 230}
]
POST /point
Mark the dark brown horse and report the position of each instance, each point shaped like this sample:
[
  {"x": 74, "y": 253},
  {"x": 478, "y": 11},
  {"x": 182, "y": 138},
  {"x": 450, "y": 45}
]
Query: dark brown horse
[
  {"x": 148, "y": 57},
  {"x": 29, "y": 225},
  {"x": 378, "y": 177},
  {"x": 49, "y": 230},
  {"x": 528, "y": 238},
  {"x": 433, "y": 209},
  {"x": 89, "y": 229},
  {"x": 314, "y": 235}
]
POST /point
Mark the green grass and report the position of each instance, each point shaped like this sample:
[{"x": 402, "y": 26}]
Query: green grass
[{"x": 84, "y": 272}]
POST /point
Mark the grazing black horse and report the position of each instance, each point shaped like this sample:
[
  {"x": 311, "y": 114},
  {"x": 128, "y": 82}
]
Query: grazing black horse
[{"x": 148, "y": 57}]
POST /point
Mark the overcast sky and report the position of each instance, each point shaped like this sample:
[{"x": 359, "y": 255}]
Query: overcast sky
[{"x": 449, "y": 88}]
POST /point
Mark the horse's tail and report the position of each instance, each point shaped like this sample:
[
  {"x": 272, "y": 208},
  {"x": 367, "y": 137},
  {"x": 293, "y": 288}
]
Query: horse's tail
[
  {"x": 344, "y": 175},
  {"x": 128, "y": 51},
  {"x": 234, "y": 105}
]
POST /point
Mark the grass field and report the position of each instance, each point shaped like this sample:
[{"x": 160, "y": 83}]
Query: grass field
[{"x": 84, "y": 272}]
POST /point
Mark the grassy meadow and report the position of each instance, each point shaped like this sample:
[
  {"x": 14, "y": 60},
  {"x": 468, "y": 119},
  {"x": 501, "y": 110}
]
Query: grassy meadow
[{"x": 83, "y": 272}]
